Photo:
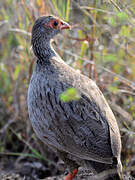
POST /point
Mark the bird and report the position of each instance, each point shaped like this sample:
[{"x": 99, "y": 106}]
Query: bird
[{"x": 82, "y": 132}]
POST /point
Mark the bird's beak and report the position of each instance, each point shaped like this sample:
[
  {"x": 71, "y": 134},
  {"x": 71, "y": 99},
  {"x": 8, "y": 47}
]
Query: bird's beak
[{"x": 64, "y": 25}]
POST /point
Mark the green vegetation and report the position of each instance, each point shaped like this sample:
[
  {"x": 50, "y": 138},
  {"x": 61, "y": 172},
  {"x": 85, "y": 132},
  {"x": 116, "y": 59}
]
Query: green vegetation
[{"x": 69, "y": 95}]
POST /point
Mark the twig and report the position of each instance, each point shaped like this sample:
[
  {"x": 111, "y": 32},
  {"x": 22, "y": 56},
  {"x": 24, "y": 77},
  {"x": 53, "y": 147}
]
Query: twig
[
  {"x": 74, "y": 55},
  {"x": 3, "y": 22},
  {"x": 20, "y": 31},
  {"x": 17, "y": 154},
  {"x": 101, "y": 10},
  {"x": 104, "y": 174},
  {"x": 7, "y": 125},
  {"x": 126, "y": 92},
  {"x": 127, "y": 131},
  {"x": 126, "y": 116},
  {"x": 87, "y": 38},
  {"x": 92, "y": 68},
  {"x": 119, "y": 9},
  {"x": 16, "y": 95},
  {"x": 85, "y": 12},
  {"x": 124, "y": 80}
]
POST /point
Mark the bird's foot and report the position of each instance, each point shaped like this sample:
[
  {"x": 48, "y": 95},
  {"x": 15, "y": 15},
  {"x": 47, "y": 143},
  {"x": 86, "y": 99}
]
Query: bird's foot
[{"x": 70, "y": 176}]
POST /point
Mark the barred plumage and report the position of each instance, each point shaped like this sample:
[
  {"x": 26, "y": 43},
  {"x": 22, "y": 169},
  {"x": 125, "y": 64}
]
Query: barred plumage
[{"x": 83, "y": 131}]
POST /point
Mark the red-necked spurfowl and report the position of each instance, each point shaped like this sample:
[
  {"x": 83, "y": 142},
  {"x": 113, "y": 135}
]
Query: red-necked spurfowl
[{"x": 82, "y": 132}]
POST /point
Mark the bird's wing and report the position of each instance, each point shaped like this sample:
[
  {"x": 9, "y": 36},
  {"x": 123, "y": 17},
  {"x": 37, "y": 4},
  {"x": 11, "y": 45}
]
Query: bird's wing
[
  {"x": 91, "y": 92},
  {"x": 108, "y": 114},
  {"x": 85, "y": 128}
]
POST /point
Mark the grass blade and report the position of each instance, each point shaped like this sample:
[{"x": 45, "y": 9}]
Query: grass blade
[{"x": 67, "y": 10}]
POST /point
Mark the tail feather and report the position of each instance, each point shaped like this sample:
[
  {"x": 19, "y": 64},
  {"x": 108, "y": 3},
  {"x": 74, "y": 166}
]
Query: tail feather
[{"x": 105, "y": 171}]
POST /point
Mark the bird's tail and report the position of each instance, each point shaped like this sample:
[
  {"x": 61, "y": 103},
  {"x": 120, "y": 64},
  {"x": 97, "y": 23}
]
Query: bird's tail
[{"x": 106, "y": 171}]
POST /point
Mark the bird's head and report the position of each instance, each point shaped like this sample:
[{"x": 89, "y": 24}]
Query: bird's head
[
  {"x": 44, "y": 29},
  {"x": 48, "y": 27}
]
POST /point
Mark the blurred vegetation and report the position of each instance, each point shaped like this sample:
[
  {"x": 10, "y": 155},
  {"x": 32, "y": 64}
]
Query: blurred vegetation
[
  {"x": 101, "y": 45},
  {"x": 69, "y": 95}
]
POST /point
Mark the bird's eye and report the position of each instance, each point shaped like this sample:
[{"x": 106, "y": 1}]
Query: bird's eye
[{"x": 55, "y": 23}]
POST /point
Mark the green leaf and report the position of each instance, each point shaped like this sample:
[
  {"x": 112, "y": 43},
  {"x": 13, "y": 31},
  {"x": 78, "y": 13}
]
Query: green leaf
[
  {"x": 113, "y": 89},
  {"x": 122, "y": 16},
  {"x": 84, "y": 47},
  {"x": 117, "y": 68},
  {"x": 69, "y": 95},
  {"x": 2, "y": 67},
  {"x": 110, "y": 58},
  {"x": 16, "y": 72},
  {"x": 112, "y": 21},
  {"x": 125, "y": 31},
  {"x": 80, "y": 34}
]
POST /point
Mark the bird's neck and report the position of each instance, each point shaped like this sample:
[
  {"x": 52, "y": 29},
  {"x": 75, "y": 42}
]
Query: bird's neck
[{"x": 43, "y": 51}]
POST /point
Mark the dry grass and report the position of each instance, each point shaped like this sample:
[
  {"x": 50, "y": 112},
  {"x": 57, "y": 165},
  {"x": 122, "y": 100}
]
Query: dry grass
[{"x": 103, "y": 42}]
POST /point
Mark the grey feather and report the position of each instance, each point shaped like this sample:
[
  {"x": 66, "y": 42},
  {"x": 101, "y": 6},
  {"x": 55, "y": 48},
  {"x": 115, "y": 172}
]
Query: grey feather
[{"x": 85, "y": 129}]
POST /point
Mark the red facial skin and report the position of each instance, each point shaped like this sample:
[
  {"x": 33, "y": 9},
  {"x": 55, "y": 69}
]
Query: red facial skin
[{"x": 58, "y": 24}]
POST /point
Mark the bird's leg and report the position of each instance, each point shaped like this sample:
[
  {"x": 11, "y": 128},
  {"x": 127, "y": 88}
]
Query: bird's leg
[
  {"x": 74, "y": 173},
  {"x": 71, "y": 175},
  {"x": 73, "y": 166}
]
